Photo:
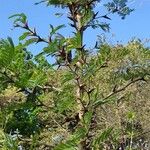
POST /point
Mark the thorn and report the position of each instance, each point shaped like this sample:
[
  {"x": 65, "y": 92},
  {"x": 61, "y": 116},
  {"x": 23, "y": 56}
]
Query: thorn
[
  {"x": 26, "y": 25},
  {"x": 49, "y": 39},
  {"x": 115, "y": 88},
  {"x": 34, "y": 32},
  {"x": 106, "y": 17},
  {"x": 95, "y": 14},
  {"x": 90, "y": 90},
  {"x": 72, "y": 25}
]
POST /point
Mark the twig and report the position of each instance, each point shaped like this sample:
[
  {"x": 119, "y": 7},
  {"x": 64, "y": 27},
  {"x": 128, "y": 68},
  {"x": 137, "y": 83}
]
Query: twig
[
  {"x": 32, "y": 33},
  {"x": 115, "y": 91}
]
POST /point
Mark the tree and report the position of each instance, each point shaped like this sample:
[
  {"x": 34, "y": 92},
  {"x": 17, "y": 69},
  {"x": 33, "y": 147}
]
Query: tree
[{"x": 81, "y": 84}]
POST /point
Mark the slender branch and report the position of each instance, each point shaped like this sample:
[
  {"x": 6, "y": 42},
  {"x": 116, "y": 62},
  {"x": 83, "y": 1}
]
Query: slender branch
[
  {"x": 115, "y": 91},
  {"x": 32, "y": 33}
]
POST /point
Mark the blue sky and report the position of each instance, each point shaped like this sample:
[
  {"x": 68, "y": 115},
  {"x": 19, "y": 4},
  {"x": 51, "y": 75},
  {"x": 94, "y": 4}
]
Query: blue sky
[{"x": 40, "y": 16}]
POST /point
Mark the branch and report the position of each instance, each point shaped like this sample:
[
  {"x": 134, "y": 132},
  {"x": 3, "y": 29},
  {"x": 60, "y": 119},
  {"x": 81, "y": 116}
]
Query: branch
[
  {"x": 115, "y": 91},
  {"x": 32, "y": 33}
]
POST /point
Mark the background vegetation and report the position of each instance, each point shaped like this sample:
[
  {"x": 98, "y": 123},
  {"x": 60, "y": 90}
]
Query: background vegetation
[{"x": 88, "y": 99}]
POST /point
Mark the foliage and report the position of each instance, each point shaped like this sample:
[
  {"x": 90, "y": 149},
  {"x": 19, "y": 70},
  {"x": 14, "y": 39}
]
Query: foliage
[{"x": 83, "y": 100}]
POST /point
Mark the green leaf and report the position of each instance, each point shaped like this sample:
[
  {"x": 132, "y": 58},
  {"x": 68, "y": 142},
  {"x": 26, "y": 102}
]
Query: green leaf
[
  {"x": 67, "y": 77},
  {"x": 104, "y": 26},
  {"x": 66, "y": 146},
  {"x": 100, "y": 102},
  {"x": 103, "y": 136},
  {"x": 10, "y": 41},
  {"x": 74, "y": 140},
  {"x": 30, "y": 41},
  {"x": 24, "y": 35},
  {"x": 58, "y": 14},
  {"x": 7, "y": 52},
  {"x": 19, "y": 17},
  {"x": 79, "y": 135},
  {"x": 131, "y": 115},
  {"x": 74, "y": 42},
  {"x": 54, "y": 30},
  {"x": 51, "y": 48},
  {"x": 87, "y": 119},
  {"x": 119, "y": 7},
  {"x": 87, "y": 17}
]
